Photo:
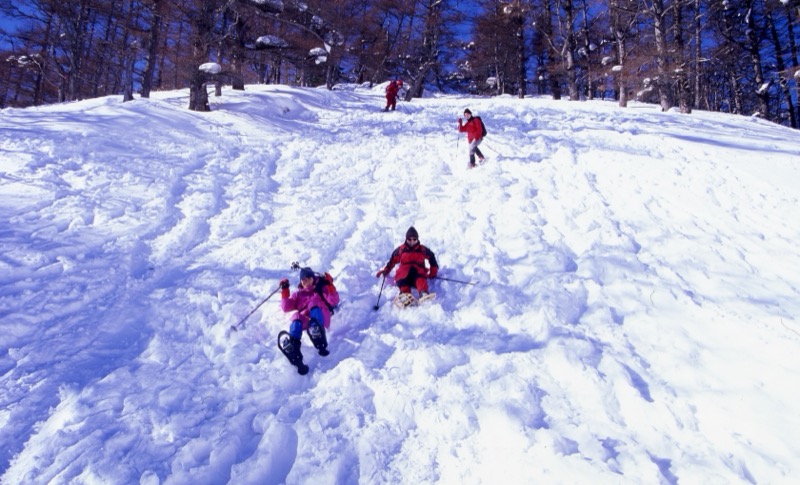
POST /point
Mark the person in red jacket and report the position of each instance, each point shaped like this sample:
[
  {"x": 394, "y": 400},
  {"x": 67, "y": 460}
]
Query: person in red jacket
[
  {"x": 391, "y": 95},
  {"x": 411, "y": 272},
  {"x": 472, "y": 127}
]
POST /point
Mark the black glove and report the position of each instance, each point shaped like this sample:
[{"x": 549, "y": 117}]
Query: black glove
[{"x": 284, "y": 284}]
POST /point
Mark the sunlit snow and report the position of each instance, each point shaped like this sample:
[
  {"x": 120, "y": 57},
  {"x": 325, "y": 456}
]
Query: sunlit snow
[{"x": 634, "y": 317}]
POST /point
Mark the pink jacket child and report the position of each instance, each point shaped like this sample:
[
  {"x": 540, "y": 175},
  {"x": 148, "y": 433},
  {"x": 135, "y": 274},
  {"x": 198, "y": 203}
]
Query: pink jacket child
[{"x": 313, "y": 304}]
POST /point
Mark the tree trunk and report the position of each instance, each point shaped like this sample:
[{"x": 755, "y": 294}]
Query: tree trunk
[
  {"x": 662, "y": 62},
  {"x": 619, "y": 31},
  {"x": 698, "y": 39},
  {"x": 622, "y": 82},
  {"x": 784, "y": 87},
  {"x": 202, "y": 39},
  {"x": 568, "y": 50},
  {"x": 198, "y": 95},
  {"x": 794, "y": 58},
  {"x": 522, "y": 58},
  {"x": 737, "y": 94},
  {"x": 762, "y": 91},
  {"x": 152, "y": 49},
  {"x": 76, "y": 36},
  {"x": 587, "y": 46}
]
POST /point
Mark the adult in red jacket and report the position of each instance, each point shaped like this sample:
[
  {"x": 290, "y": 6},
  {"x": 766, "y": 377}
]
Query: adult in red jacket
[
  {"x": 391, "y": 95},
  {"x": 472, "y": 127},
  {"x": 411, "y": 257}
]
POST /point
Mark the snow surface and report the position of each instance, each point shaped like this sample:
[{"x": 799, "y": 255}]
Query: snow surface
[{"x": 634, "y": 317}]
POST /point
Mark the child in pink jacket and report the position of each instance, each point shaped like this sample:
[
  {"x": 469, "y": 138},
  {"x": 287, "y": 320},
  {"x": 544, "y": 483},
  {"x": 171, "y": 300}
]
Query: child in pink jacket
[{"x": 313, "y": 304}]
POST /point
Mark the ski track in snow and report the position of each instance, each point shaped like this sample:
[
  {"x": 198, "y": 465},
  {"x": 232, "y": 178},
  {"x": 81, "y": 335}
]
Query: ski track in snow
[{"x": 132, "y": 248}]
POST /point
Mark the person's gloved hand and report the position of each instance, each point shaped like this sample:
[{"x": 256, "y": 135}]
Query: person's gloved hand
[
  {"x": 433, "y": 273},
  {"x": 284, "y": 284},
  {"x": 380, "y": 272}
]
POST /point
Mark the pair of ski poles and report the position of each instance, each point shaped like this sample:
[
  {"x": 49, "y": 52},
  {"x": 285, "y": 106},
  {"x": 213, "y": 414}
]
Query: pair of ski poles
[
  {"x": 241, "y": 322},
  {"x": 378, "y": 303}
]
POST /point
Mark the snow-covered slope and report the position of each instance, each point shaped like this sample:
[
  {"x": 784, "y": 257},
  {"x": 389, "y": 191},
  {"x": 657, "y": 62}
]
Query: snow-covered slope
[{"x": 634, "y": 317}]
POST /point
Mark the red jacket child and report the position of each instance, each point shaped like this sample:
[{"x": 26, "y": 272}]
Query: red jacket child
[
  {"x": 391, "y": 95},
  {"x": 411, "y": 257},
  {"x": 474, "y": 130}
]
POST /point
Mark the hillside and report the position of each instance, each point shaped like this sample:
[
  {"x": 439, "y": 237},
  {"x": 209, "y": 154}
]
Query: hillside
[{"x": 634, "y": 317}]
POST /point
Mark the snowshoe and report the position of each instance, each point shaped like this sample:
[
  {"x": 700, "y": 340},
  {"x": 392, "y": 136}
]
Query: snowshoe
[
  {"x": 404, "y": 300},
  {"x": 316, "y": 333},
  {"x": 426, "y": 297},
  {"x": 290, "y": 347}
]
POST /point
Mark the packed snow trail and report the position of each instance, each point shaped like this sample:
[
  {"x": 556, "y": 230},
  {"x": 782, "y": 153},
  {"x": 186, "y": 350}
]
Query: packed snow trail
[{"x": 631, "y": 319}]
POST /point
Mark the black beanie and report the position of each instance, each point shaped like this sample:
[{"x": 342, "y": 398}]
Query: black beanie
[
  {"x": 467, "y": 112},
  {"x": 306, "y": 273},
  {"x": 412, "y": 233}
]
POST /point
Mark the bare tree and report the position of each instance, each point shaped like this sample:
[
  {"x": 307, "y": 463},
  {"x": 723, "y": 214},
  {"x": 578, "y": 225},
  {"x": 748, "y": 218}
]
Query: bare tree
[
  {"x": 154, "y": 15},
  {"x": 623, "y": 21},
  {"x": 657, "y": 11},
  {"x": 781, "y": 73},
  {"x": 550, "y": 64},
  {"x": 754, "y": 37},
  {"x": 792, "y": 17},
  {"x": 682, "y": 58}
]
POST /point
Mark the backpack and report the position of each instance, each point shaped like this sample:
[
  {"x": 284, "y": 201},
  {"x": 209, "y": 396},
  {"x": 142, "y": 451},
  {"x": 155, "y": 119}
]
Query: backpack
[
  {"x": 483, "y": 127},
  {"x": 324, "y": 280}
]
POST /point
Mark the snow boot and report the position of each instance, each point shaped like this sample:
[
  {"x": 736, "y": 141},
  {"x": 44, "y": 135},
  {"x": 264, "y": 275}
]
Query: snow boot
[
  {"x": 316, "y": 333},
  {"x": 290, "y": 347}
]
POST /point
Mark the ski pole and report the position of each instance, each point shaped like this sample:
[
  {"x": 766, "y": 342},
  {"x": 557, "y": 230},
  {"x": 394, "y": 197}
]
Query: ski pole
[
  {"x": 378, "y": 303},
  {"x": 456, "y": 281},
  {"x": 241, "y": 322}
]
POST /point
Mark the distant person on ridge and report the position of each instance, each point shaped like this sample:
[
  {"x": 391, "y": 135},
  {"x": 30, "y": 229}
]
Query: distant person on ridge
[
  {"x": 411, "y": 272},
  {"x": 474, "y": 130},
  {"x": 313, "y": 304},
  {"x": 391, "y": 95}
]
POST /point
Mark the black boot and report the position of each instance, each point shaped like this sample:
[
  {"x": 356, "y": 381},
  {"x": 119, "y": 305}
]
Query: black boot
[
  {"x": 316, "y": 333},
  {"x": 290, "y": 347}
]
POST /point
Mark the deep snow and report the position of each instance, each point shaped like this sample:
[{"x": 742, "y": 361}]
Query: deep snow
[{"x": 634, "y": 317}]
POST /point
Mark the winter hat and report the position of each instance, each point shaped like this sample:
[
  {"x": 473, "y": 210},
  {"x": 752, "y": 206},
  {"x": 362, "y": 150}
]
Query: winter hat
[
  {"x": 467, "y": 112},
  {"x": 306, "y": 273},
  {"x": 412, "y": 233}
]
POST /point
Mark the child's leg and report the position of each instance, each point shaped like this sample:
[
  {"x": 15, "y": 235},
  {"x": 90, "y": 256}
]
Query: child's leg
[
  {"x": 422, "y": 285},
  {"x": 296, "y": 329}
]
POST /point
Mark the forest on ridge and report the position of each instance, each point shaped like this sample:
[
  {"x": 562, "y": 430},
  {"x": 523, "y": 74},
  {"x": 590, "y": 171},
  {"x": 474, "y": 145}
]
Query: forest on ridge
[{"x": 734, "y": 56}]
